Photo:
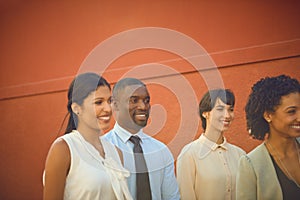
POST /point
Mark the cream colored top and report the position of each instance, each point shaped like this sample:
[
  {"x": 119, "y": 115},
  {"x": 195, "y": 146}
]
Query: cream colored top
[
  {"x": 256, "y": 177},
  {"x": 206, "y": 170},
  {"x": 91, "y": 176}
]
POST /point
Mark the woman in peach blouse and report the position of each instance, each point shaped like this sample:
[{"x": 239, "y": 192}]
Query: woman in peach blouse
[{"x": 207, "y": 167}]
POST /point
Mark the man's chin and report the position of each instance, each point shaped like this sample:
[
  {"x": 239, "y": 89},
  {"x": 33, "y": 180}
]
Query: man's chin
[{"x": 141, "y": 124}]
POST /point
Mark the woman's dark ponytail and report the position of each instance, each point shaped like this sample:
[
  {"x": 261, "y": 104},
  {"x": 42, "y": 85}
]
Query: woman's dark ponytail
[{"x": 72, "y": 119}]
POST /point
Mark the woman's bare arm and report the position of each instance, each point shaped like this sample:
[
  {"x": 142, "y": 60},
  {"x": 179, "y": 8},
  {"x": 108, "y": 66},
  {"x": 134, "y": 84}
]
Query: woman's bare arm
[{"x": 56, "y": 170}]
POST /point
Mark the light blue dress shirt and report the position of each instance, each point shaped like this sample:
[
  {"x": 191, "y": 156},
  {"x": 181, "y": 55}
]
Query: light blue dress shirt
[{"x": 159, "y": 160}]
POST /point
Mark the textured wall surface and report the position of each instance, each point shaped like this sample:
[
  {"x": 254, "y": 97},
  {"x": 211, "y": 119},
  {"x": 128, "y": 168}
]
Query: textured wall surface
[{"x": 44, "y": 44}]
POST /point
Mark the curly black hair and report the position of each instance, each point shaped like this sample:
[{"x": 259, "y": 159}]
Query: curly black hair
[{"x": 265, "y": 96}]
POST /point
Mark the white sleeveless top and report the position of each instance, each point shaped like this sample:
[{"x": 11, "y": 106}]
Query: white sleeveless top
[{"x": 91, "y": 176}]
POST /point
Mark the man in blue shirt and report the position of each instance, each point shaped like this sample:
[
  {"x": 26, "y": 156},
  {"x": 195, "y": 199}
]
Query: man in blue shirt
[{"x": 131, "y": 107}]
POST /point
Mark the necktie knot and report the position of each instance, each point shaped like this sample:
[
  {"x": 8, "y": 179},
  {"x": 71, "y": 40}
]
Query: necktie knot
[{"x": 135, "y": 140}]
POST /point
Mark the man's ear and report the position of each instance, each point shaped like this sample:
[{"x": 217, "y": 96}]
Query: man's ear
[
  {"x": 267, "y": 116},
  {"x": 76, "y": 108},
  {"x": 115, "y": 105}
]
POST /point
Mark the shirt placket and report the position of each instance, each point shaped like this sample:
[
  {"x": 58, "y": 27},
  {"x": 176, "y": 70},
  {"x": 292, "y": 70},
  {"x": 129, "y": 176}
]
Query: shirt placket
[{"x": 222, "y": 156}]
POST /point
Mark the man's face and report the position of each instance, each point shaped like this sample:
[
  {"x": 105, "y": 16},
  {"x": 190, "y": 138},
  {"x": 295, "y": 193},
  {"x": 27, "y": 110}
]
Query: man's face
[{"x": 134, "y": 108}]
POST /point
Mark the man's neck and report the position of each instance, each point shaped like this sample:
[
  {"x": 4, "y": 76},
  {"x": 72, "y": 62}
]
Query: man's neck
[{"x": 130, "y": 130}]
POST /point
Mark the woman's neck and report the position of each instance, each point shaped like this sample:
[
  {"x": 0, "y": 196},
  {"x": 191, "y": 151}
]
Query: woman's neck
[
  {"x": 91, "y": 136},
  {"x": 283, "y": 146},
  {"x": 215, "y": 136}
]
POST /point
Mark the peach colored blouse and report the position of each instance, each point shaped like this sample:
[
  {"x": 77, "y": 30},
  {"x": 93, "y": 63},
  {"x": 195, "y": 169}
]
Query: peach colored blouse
[{"x": 206, "y": 170}]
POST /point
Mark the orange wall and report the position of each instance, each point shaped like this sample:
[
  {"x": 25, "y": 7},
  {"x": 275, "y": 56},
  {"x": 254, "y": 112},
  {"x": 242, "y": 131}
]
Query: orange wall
[{"x": 44, "y": 43}]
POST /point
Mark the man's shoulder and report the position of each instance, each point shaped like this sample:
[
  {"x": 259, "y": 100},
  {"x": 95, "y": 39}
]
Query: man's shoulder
[
  {"x": 154, "y": 141},
  {"x": 109, "y": 136},
  {"x": 107, "y": 133}
]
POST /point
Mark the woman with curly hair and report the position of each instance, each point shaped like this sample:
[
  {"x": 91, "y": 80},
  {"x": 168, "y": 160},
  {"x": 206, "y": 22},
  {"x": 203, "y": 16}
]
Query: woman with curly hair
[{"x": 272, "y": 170}]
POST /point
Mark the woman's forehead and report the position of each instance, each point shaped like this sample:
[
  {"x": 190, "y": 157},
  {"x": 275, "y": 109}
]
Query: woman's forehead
[{"x": 219, "y": 102}]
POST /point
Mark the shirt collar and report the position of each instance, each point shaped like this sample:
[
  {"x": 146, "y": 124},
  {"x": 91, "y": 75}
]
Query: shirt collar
[
  {"x": 207, "y": 146},
  {"x": 223, "y": 145},
  {"x": 125, "y": 135},
  {"x": 212, "y": 145}
]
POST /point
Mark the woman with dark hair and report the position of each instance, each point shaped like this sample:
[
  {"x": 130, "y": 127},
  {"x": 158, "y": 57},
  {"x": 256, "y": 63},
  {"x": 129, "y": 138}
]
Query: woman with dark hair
[
  {"x": 80, "y": 164},
  {"x": 206, "y": 167},
  {"x": 272, "y": 170}
]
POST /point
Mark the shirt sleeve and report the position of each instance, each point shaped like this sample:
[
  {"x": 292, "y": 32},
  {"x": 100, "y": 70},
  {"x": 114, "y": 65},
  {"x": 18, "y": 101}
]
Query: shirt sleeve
[
  {"x": 170, "y": 189},
  {"x": 186, "y": 174},
  {"x": 245, "y": 180}
]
